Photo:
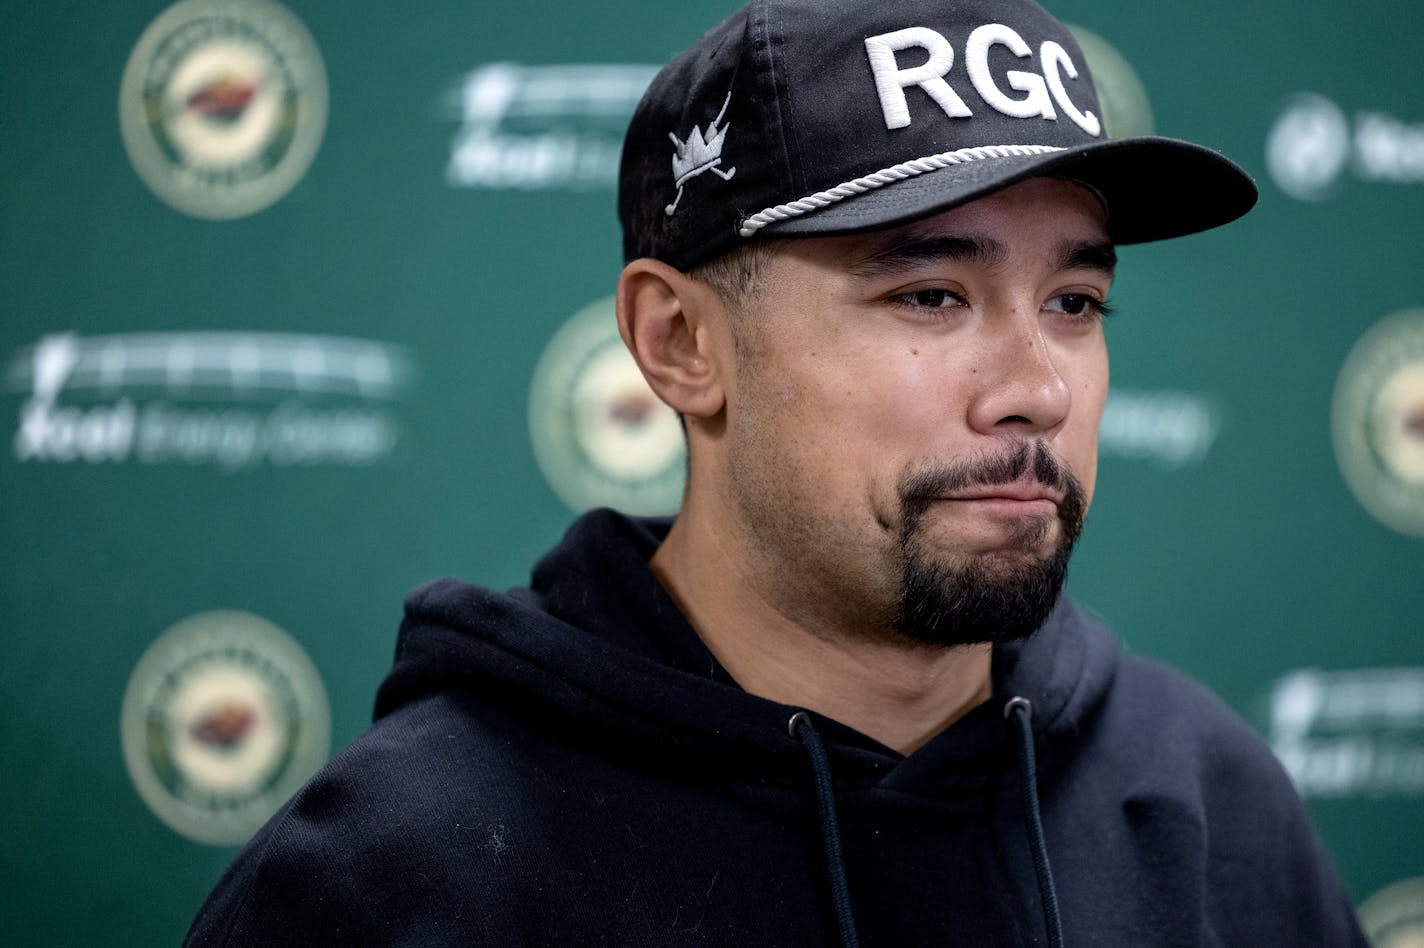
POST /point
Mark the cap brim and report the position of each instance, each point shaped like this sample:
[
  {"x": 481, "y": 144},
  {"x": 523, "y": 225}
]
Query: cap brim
[{"x": 1154, "y": 187}]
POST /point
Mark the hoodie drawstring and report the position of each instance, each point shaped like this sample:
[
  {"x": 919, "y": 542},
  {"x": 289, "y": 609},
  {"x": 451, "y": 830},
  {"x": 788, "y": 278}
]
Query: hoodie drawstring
[
  {"x": 802, "y": 729},
  {"x": 1019, "y": 711}
]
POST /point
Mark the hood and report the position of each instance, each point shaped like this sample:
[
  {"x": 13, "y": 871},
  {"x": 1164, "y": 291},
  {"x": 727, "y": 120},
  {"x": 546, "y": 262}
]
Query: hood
[{"x": 595, "y": 645}]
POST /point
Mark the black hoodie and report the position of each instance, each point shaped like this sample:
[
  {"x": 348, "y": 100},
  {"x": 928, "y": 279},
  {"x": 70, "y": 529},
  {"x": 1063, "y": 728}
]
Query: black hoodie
[{"x": 568, "y": 765}]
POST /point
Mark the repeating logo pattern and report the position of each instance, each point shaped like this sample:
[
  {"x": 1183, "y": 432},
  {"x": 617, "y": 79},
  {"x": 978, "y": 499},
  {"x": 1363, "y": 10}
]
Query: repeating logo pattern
[
  {"x": 600, "y": 435},
  {"x": 224, "y": 718},
  {"x": 1378, "y": 421},
  {"x": 1314, "y": 145},
  {"x": 223, "y": 105},
  {"x": 1122, "y": 98},
  {"x": 230, "y": 400},
  {"x": 1170, "y": 428},
  {"x": 1308, "y": 147},
  {"x": 543, "y": 127},
  {"x": 1353, "y": 733},
  {"x": 1394, "y": 916}
]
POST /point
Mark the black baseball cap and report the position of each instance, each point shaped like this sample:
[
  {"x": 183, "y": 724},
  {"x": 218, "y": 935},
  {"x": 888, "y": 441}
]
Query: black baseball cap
[{"x": 821, "y": 117}]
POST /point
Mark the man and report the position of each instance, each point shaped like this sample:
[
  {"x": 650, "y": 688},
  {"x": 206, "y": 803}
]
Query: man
[{"x": 839, "y": 700}]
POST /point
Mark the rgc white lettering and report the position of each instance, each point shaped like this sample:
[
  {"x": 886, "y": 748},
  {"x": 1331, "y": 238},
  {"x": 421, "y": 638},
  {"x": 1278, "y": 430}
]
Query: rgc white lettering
[{"x": 1040, "y": 89}]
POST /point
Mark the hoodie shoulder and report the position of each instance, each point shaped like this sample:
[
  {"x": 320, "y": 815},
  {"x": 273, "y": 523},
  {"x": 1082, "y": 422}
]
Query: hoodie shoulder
[
  {"x": 1199, "y": 783},
  {"x": 362, "y": 850},
  {"x": 1177, "y": 709}
]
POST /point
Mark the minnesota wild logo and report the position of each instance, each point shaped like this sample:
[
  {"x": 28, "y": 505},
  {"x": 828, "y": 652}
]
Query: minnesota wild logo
[
  {"x": 1394, "y": 916},
  {"x": 1123, "y": 104},
  {"x": 223, "y": 105},
  {"x": 600, "y": 435},
  {"x": 1378, "y": 419},
  {"x": 224, "y": 718}
]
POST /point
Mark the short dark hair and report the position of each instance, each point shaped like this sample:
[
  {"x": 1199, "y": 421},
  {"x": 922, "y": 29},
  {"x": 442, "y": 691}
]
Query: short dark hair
[{"x": 736, "y": 274}]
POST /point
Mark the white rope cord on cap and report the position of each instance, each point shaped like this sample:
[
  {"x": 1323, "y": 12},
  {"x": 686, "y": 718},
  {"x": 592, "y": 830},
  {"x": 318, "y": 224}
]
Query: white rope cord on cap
[{"x": 906, "y": 169}]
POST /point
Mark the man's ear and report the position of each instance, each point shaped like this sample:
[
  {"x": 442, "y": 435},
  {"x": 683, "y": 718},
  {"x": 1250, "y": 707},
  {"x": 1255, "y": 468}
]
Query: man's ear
[{"x": 669, "y": 322}]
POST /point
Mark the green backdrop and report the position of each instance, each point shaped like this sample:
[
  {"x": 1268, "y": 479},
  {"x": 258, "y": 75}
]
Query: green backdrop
[{"x": 270, "y": 345}]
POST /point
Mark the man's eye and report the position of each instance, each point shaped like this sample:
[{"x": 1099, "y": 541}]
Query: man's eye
[
  {"x": 932, "y": 299},
  {"x": 1078, "y": 304}
]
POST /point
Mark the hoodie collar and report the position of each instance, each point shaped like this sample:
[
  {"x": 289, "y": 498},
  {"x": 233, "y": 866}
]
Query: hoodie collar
[{"x": 596, "y": 635}]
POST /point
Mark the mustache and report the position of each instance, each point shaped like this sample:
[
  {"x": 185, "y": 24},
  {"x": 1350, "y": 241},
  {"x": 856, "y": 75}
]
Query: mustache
[{"x": 921, "y": 488}]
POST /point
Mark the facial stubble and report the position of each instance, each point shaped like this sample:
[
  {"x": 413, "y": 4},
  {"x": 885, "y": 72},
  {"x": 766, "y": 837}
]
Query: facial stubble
[{"x": 985, "y": 597}]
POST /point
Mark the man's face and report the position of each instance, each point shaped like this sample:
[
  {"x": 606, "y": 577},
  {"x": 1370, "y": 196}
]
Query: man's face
[{"x": 912, "y": 427}]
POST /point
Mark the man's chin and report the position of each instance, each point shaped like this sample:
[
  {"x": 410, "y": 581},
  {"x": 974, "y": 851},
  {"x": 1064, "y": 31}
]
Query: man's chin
[{"x": 992, "y": 597}]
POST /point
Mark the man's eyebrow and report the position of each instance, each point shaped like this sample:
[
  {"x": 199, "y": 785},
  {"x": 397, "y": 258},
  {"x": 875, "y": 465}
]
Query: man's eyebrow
[
  {"x": 1088, "y": 255},
  {"x": 909, "y": 252}
]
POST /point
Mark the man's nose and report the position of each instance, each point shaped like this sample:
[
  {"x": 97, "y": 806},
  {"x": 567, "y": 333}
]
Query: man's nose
[{"x": 1019, "y": 388}]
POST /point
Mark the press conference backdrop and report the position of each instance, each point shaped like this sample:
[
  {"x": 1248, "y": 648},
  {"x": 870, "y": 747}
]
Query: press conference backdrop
[{"x": 306, "y": 304}]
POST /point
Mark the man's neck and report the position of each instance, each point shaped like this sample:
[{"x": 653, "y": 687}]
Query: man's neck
[{"x": 899, "y": 693}]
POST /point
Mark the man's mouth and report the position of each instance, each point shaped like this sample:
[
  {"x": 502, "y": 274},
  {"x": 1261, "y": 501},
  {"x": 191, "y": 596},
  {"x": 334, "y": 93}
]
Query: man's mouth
[{"x": 1018, "y": 498}]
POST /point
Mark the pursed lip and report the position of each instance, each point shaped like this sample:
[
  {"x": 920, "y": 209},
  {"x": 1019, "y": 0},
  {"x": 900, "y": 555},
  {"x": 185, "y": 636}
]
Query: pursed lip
[{"x": 1019, "y": 492}]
